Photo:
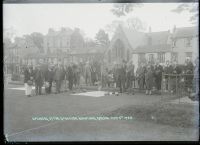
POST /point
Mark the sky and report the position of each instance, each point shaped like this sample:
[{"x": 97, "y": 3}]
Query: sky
[{"x": 28, "y": 18}]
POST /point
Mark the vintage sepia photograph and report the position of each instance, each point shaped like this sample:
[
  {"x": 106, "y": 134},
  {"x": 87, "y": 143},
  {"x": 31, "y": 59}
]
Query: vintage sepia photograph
[{"x": 101, "y": 71}]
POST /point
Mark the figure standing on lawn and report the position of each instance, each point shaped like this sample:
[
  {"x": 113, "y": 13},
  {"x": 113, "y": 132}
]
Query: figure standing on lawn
[
  {"x": 122, "y": 77},
  {"x": 28, "y": 80},
  {"x": 39, "y": 80},
  {"x": 70, "y": 76},
  {"x": 58, "y": 77},
  {"x": 158, "y": 76},
  {"x": 49, "y": 79},
  {"x": 149, "y": 80}
]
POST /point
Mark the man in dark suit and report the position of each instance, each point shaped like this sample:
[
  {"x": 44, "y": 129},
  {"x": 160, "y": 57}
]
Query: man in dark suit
[
  {"x": 70, "y": 76},
  {"x": 167, "y": 70},
  {"x": 158, "y": 76},
  {"x": 57, "y": 77},
  {"x": 39, "y": 80}
]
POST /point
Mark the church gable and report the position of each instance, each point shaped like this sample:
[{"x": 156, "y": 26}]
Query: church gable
[{"x": 123, "y": 43}]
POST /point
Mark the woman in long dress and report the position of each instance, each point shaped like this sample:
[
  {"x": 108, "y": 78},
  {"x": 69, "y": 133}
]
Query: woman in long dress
[{"x": 28, "y": 76}]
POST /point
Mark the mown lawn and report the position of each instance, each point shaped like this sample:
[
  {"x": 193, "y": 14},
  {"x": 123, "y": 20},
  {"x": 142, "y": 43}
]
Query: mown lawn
[{"x": 179, "y": 115}]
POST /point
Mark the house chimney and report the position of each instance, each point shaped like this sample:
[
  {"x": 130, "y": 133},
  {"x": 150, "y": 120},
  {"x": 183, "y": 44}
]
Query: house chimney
[{"x": 150, "y": 29}]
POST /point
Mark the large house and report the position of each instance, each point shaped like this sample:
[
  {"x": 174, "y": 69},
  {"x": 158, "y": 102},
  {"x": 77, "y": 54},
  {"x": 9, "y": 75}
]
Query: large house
[
  {"x": 163, "y": 46},
  {"x": 156, "y": 47},
  {"x": 57, "y": 41},
  {"x": 185, "y": 44}
]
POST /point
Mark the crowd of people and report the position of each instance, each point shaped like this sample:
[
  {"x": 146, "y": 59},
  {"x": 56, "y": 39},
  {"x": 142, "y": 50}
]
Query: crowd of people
[
  {"x": 148, "y": 76},
  {"x": 63, "y": 77}
]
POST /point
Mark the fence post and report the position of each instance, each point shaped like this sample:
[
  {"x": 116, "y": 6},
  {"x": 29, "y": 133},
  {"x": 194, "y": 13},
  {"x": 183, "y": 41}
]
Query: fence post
[
  {"x": 162, "y": 85},
  {"x": 176, "y": 85},
  {"x": 180, "y": 89}
]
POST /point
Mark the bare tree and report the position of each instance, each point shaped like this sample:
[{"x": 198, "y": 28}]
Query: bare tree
[
  {"x": 136, "y": 24},
  {"x": 111, "y": 28},
  {"x": 102, "y": 38},
  {"x": 189, "y": 7},
  {"x": 122, "y": 9}
]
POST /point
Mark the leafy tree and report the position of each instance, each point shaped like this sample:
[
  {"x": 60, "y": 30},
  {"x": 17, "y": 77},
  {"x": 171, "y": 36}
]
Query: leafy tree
[
  {"x": 189, "y": 7},
  {"x": 111, "y": 28},
  {"x": 37, "y": 39},
  {"x": 122, "y": 9},
  {"x": 133, "y": 23},
  {"x": 34, "y": 41},
  {"x": 102, "y": 38}
]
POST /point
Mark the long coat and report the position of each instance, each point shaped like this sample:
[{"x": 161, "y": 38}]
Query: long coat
[
  {"x": 58, "y": 74},
  {"x": 27, "y": 75},
  {"x": 49, "y": 76},
  {"x": 149, "y": 79},
  {"x": 158, "y": 72},
  {"x": 39, "y": 77},
  {"x": 122, "y": 73},
  {"x": 70, "y": 73}
]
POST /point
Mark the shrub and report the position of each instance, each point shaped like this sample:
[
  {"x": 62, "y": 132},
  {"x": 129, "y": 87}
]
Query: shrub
[{"x": 15, "y": 77}]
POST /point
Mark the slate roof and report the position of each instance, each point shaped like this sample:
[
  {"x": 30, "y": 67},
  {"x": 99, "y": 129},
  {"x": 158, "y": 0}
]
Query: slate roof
[
  {"x": 136, "y": 38},
  {"x": 185, "y": 32},
  {"x": 139, "y": 40},
  {"x": 153, "y": 48},
  {"x": 158, "y": 37}
]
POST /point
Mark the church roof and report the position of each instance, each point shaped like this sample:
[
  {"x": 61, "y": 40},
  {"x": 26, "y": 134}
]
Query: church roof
[
  {"x": 138, "y": 39},
  {"x": 135, "y": 38},
  {"x": 153, "y": 48}
]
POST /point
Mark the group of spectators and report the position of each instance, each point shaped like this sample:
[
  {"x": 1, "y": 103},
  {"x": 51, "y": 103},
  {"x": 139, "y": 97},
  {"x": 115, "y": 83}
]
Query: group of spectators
[
  {"x": 152, "y": 77},
  {"x": 122, "y": 75},
  {"x": 62, "y": 76}
]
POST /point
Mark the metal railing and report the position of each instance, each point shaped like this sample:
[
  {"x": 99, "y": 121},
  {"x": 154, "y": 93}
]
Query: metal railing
[{"x": 178, "y": 84}]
